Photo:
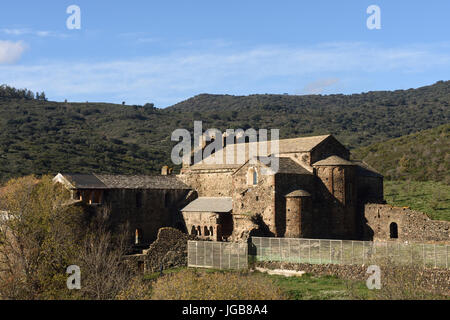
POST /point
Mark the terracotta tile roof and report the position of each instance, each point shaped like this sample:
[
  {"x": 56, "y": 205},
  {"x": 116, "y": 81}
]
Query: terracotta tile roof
[{"x": 210, "y": 204}]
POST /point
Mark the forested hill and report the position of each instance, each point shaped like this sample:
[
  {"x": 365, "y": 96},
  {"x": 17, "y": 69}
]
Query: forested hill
[
  {"x": 357, "y": 120},
  {"x": 39, "y": 136},
  {"x": 421, "y": 156}
]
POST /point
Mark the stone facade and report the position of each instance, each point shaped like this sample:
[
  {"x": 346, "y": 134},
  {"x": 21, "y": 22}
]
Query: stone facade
[
  {"x": 209, "y": 225},
  {"x": 265, "y": 204},
  {"x": 143, "y": 204},
  {"x": 209, "y": 183},
  {"x": 250, "y": 199},
  {"x": 145, "y": 210},
  {"x": 317, "y": 192}
]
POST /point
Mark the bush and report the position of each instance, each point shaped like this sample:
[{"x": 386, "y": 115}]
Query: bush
[
  {"x": 200, "y": 285},
  {"x": 137, "y": 289}
]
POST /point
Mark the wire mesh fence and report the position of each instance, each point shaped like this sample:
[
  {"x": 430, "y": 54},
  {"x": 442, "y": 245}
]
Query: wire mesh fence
[
  {"x": 217, "y": 255},
  {"x": 318, "y": 251}
]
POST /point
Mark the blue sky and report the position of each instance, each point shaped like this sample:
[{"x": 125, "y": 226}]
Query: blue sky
[{"x": 167, "y": 51}]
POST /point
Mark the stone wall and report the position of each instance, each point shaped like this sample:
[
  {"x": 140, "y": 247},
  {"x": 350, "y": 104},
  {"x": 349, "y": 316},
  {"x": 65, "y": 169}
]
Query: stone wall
[
  {"x": 369, "y": 189},
  {"x": 329, "y": 147},
  {"x": 169, "y": 250},
  {"x": 337, "y": 187},
  {"x": 286, "y": 183},
  {"x": 251, "y": 200},
  {"x": 145, "y": 210},
  {"x": 411, "y": 225},
  {"x": 209, "y": 225},
  {"x": 209, "y": 183}
]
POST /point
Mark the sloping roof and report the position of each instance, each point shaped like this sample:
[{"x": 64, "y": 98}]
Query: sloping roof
[
  {"x": 287, "y": 165},
  {"x": 302, "y": 144},
  {"x": 363, "y": 169},
  {"x": 142, "y": 182},
  {"x": 298, "y": 193},
  {"x": 84, "y": 181},
  {"x": 97, "y": 181},
  {"x": 210, "y": 204},
  {"x": 333, "y": 161}
]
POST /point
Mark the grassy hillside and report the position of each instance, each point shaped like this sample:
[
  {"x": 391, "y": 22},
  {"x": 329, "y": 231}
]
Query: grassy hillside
[
  {"x": 432, "y": 198},
  {"x": 39, "y": 136},
  {"x": 420, "y": 156}
]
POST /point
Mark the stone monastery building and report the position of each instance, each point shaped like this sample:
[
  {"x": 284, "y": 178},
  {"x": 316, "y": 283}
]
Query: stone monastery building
[{"x": 317, "y": 192}]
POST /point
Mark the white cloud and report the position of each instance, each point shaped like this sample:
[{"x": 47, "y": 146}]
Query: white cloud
[
  {"x": 167, "y": 78},
  {"x": 11, "y": 52},
  {"x": 14, "y": 32},
  {"x": 28, "y": 31},
  {"x": 319, "y": 86}
]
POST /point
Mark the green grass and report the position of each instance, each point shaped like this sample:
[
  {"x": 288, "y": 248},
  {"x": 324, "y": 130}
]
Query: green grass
[
  {"x": 306, "y": 287},
  {"x": 432, "y": 198},
  {"x": 311, "y": 287}
]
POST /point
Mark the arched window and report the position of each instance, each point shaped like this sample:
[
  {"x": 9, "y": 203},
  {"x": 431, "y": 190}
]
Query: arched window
[
  {"x": 138, "y": 236},
  {"x": 193, "y": 231},
  {"x": 199, "y": 231},
  {"x": 393, "y": 230},
  {"x": 211, "y": 142},
  {"x": 255, "y": 177},
  {"x": 252, "y": 177},
  {"x": 205, "y": 231},
  {"x": 211, "y": 231}
]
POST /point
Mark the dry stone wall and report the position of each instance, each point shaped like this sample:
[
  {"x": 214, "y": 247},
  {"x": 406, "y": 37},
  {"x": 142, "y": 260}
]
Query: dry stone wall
[
  {"x": 169, "y": 250},
  {"x": 383, "y": 220},
  {"x": 430, "y": 279}
]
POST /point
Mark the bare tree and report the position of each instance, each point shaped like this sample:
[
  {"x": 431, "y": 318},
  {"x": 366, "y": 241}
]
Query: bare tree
[{"x": 104, "y": 274}]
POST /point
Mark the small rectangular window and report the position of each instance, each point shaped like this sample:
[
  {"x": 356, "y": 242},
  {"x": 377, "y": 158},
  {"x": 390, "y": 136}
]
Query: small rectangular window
[
  {"x": 255, "y": 178},
  {"x": 138, "y": 199}
]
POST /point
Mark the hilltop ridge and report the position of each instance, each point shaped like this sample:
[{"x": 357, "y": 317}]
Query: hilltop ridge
[{"x": 39, "y": 136}]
